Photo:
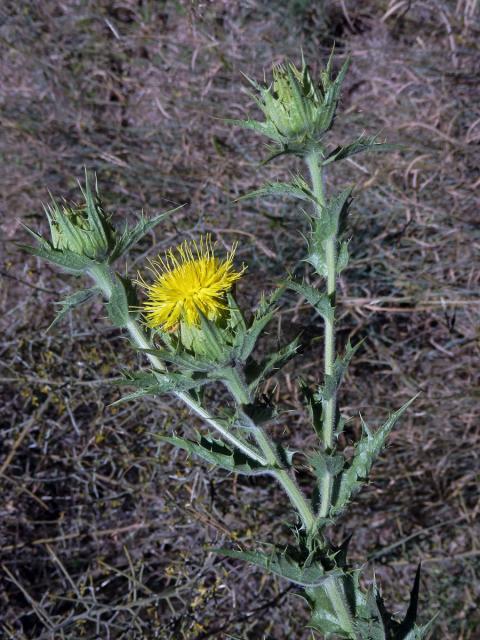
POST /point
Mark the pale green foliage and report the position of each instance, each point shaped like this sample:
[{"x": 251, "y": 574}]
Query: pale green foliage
[
  {"x": 357, "y": 471},
  {"x": 216, "y": 452},
  {"x": 309, "y": 573},
  {"x": 70, "y": 302}
]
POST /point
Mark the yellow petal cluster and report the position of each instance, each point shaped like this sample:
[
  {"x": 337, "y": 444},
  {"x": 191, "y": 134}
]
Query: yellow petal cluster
[{"x": 190, "y": 280}]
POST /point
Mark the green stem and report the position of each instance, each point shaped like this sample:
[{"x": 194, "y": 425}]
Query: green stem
[
  {"x": 238, "y": 387},
  {"x": 239, "y": 390},
  {"x": 334, "y": 589},
  {"x": 104, "y": 278},
  {"x": 330, "y": 405},
  {"x": 329, "y": 420}
]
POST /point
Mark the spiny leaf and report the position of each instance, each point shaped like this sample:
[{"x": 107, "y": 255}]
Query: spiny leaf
[
  {"x": 131, "y": 236},
  {"x": 213, "y": 337},
  {"x": 182, "y": 359},
  {"x": 274, "y": 362},
  {"x": 262, "y": 317},
  {"x": 323, "y": 463},
  {"x": 95, "y": 213},
  {"x": 323, "y": 617},
  {"x": 328, "y": 224},
  {"x": 332, "y": 382},
  {"x": 342, "y": 257},
  {"x": 407, "y": 626},
  {"x": 318, "y": 300},
  {"x": 298, "y": 188},
  {"x": 157, "y": 383},
  {"x": 282, "y": 564},
  {"x": 363, "y": 143},
  {"x": 72, "y": 301},
  {"x": 218, "y": 453},
  {"x": 286, "y": 149},
  {"x": 236, "y": 321},
  {"x": 366, "y": 451},
  {"x": 69, "y": 261},
  {"x": 341, "y": 364},
  {"x": 314, "y": 407},
  {"x": 265, "y": 128},
  {"x": 121, "y": 300}
]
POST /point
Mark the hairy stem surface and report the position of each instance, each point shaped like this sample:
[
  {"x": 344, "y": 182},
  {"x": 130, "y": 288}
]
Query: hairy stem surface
[
  {"x": 240, "y": 392},
  {"x": 329, "y": 406}
]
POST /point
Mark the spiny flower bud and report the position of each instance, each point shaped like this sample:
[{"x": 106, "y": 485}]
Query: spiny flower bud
[
  {"x": 81, "y": 229},
  {"x": 291, "y": 103},
  {"x": 82, "y": 235},
  {"x": 297, "y": 112}
]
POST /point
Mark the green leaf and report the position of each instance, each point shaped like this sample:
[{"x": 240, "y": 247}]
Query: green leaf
[
  {"x": 342, "y": 258},
  {"x": 286, "y": 149},
  {"x": 324, "y": 463},
  {"x": 341, "y": 363},
  {"x": 273, "y": 363},
  {"x": 236, "y": 321},
  {"x": 131, "y": 236},
  {"x": 363, "y": 143},
  {"x": 330, "y": 223},
  {"x": 335, "y": 211},
  {"x": 331, "y": 95},
  {"x": 366, "y": 451},
  {"x": 298, "y": 188},
  {"x": 214, "y": 341},
  {"x": 95, "y": 214},
  {"x": 314, "y": 407},
  {"x": 262, "y": 317},
  {"x": 265, "y": 128},
  {"x": 69, "y": 261},
  {"x": 308, "y": 574},
  {"x": 332, "y": 383},
  {"x": 157, "y": 383},
  {"x": 323, "y": 617},
  {"x": 182, "y": 359},
  {"x": 72, "y": 301},
  {"x": 320, "y": 301},
  {"x": 216, "y": 452}
]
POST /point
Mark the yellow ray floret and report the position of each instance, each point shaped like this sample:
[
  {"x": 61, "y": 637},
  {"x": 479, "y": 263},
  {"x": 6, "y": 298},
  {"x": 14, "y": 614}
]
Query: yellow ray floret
[{"x": 189, "y": 280}]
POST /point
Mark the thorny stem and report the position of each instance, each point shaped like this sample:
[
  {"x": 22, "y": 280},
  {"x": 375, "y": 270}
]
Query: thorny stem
[
  {"x": 333, "y": 586},
  {"x": 239, "y": 390},
  {"x": 104, "y": 281},
  {"x": 335, "y": 591},
  {"x": 329, "y": 406}
]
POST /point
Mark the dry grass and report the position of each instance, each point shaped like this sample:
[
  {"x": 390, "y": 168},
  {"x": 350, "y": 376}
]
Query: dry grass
[{"x": 105, "y": 533}]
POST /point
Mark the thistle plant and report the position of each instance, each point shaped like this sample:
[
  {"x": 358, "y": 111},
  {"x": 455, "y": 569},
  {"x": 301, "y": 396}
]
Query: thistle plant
[{"x": 182, "y": 314}]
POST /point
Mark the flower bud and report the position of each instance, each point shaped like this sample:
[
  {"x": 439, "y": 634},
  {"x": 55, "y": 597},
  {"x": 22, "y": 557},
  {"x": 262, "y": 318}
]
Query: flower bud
[
  {"x": 291, "y": 103},
  {"x": 83, "y": 230},
  {"x": 297, "y": 111}
]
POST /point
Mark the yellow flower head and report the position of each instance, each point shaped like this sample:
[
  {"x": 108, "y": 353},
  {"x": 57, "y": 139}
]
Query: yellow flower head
[{"x": 191, "y": 279}]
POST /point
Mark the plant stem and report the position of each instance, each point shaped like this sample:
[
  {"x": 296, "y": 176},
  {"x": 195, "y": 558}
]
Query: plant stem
[
  {"x": 334, "y": 589},
  {"x": 334, "y": 585},
  {"x": 239, "y": 390},
  {"x": 104, "y": 278},
  {"x": 329, "y": 406}
]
